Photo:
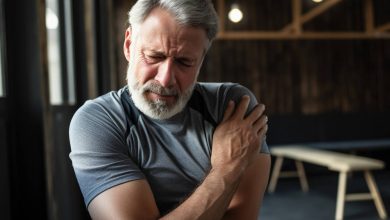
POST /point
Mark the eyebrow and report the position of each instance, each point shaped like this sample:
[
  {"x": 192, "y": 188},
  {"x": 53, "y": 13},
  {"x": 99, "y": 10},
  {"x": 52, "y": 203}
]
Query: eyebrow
[
  {"x": 155, "y": 52},
  {"x": 160, "y": 53}
]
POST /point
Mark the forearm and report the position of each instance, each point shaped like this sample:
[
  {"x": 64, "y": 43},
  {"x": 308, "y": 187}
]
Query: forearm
[
  {"x": 236, "y": 142},
  {"x": 247, "y": 200},
  {"x": 210, "y": 200}
]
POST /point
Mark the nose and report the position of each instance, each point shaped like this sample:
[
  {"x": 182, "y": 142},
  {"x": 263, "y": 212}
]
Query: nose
[{"x": 165, "y": 75}]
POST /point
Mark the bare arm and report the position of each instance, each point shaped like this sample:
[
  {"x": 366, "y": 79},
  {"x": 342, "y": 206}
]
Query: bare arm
[
  {"x": 235, "y": 145},
  {"x": 131, "y": 200},
  {"x": 245, "y": 204},
  {"x": 248, "y": 198}
]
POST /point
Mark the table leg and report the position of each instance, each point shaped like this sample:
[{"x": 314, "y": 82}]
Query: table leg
[
  {"x": 275, "y": 174},
  {"x": 302, "y": 176},
  {"x": 375, "y": 194},
  {"x": 341, "y": 195}
]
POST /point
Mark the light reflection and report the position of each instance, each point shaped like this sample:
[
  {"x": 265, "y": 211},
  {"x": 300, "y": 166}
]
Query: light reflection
[
  {"x": 51, "y": 19},
  {"x": 54, "y": 53}
]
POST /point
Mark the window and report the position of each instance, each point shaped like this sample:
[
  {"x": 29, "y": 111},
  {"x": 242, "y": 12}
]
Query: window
[
  {"x": 60, "y": 52},
  {"x": 54, "y": 55}
]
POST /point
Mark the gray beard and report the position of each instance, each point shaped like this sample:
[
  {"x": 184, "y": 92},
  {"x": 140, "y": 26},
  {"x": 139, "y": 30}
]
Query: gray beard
[{"x": 157, "y": 109}]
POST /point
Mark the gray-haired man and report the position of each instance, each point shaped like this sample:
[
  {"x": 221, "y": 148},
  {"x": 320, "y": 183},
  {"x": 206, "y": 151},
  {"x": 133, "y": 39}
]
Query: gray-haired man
[{"x": 166, "y": 146}]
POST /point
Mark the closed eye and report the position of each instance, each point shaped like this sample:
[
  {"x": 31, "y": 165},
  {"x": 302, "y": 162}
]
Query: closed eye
[
  {"x": 184, "y": 62},
  {"x": 154, "y": 58}
]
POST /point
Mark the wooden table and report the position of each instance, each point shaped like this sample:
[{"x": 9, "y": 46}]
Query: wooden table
[{"x": 339, "y": 162}]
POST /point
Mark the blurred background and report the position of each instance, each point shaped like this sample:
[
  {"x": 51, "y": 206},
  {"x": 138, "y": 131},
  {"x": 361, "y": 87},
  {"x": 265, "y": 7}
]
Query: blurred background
[{"x": 322, "y": 68}]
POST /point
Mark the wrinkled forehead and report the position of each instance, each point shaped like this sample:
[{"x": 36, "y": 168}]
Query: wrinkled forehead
[{"x": 161, "y": 27}]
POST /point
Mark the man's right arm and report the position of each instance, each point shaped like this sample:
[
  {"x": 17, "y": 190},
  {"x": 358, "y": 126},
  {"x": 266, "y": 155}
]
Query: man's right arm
[
  {"x": 130, "y": 200},
  {"x": 235, "y": 142},
  {"x": 134, "y": 200}
]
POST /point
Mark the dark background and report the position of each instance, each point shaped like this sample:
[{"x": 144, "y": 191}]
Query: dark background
[{"x": 314, "y": 89}]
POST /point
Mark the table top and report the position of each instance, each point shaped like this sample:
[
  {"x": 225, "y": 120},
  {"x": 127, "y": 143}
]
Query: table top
[
  {"x": 345, "y": 145},
  {"x": 332, "y": 160}
]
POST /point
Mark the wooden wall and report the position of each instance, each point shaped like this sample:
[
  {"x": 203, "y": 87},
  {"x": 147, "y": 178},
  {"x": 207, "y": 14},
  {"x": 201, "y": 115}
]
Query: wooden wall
[
  {"x": 307, "y": 77},
  {"x": 314, "y": 90},
  {"x": 269, "y": 15}
]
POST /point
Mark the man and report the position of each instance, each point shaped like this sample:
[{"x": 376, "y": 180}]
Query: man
[{"x": 166, "y": 146}]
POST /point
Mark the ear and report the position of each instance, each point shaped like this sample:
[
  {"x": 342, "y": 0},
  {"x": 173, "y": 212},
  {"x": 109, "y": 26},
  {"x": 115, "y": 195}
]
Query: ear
[{"x": 127, "y": 43}]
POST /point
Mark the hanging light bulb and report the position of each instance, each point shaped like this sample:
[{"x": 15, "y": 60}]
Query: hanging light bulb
[
  {"x": 317, "y": 1},
  {"x": 235, "y": 14}
]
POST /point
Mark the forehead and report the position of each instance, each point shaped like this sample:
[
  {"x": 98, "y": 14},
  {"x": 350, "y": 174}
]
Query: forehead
[{"x": 160, "y": 29}]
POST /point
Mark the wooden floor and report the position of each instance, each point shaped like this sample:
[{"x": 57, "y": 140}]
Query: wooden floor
[{"x": 289, "y": 202}]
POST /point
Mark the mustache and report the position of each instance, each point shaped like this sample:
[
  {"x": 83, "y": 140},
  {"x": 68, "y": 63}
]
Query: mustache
[{"x": 159, "y": 89}]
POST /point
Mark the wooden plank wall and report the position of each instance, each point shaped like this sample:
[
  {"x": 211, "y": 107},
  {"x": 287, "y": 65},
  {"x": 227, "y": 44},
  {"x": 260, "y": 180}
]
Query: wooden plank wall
[{"x": 307, "y": 77}]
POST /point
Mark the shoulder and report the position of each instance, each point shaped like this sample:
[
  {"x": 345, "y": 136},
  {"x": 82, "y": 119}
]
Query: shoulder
[
  {"x": 214, "y": 88},
  {"x": 217, "y": 95},
  {"x": 109, "y": 102},
  {"x": 107, "y": 108},
  {"x": 99, "y": 150},
  {"x": 221, "y": 91},
  {"x": 98, "y": 120}
]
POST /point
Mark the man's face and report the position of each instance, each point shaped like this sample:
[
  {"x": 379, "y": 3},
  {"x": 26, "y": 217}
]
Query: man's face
[{"x": 164, "y": 62}]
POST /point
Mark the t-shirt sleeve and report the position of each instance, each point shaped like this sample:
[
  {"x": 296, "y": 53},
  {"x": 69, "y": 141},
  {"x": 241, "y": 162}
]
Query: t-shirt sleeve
[
  {"x": 99, "y": 152},
  {"x": 235, "y": 93}
]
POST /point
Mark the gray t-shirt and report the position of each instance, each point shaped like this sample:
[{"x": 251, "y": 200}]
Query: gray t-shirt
[{"x": 173, "y": 155}]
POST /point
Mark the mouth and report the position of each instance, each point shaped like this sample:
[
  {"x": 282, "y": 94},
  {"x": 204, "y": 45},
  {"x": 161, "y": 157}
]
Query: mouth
[{"x": 160, "y": 97}]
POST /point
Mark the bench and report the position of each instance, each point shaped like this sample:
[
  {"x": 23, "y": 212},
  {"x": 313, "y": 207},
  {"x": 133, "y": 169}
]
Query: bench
[{"x": 334, "y": 161}]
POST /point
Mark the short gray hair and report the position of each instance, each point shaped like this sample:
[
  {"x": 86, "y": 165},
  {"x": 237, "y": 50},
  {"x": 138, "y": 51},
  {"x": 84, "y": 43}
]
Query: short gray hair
[{"x": 195, "y": 13}]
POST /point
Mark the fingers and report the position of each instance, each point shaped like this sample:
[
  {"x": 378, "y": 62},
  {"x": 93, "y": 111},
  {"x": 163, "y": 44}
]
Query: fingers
[
  {"x": 263, "y": 131},
  {"x": 254, "y": 119},
  {"x": 242, "y": 107},
  {"x": 229, "y": 111},
  {"x": 255, "y": 114},
  {"x": 261, "y": 125}
]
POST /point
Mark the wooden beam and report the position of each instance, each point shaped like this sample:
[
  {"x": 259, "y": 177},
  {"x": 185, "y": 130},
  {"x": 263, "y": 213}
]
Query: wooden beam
[
  {"x": 277, "y": 35},
  {"x": 319, "y": 10},
  {"x": 383, "y": 28},
  {"x": 369, "y": 16},
  {"x": 297, "y": 12},
  {"x": 221, "y": 15},
  {"x": 299, "y": 20},
  {"x": 315, "y": 12}
]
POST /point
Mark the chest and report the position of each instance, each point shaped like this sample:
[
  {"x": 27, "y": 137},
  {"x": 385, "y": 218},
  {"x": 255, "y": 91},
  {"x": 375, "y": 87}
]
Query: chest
[
  {"x": 175, "y": 152},
  {"x": 174, "y": 161}
]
